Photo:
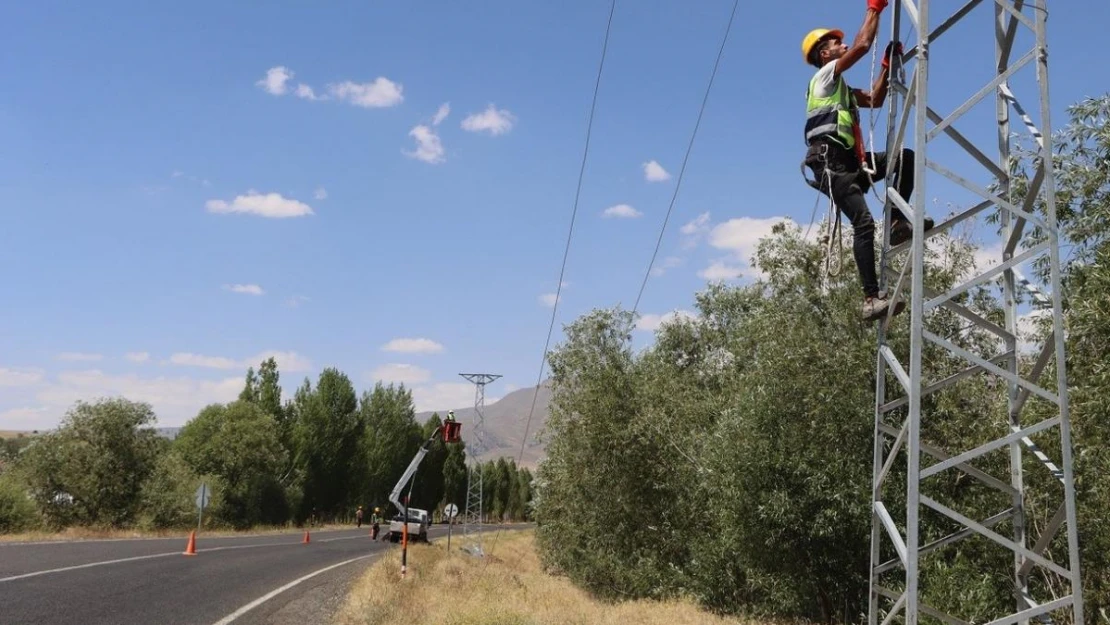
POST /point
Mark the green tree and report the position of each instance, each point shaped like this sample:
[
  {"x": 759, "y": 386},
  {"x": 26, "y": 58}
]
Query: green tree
[
  {"x": 269, "y": 388},
  {"x": 169, "y": 495},
  {"x": 326, "y": 434},
  {"x": 91, "y": 469},
  {"x": 250, "y": 387},
  {"x": 238, "y": 443},
  {"x": 429, "y": 478},
  {"x": 391, "y": 439},
  {"x": 732, "y": 458},
  {"x": 455, "y": 476},
  {"x": 1082, "y": 153},
  {"x": 17, "y": 510}
]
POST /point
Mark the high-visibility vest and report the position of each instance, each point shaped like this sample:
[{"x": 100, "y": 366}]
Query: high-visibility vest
[{"x": 832, "y": 117}]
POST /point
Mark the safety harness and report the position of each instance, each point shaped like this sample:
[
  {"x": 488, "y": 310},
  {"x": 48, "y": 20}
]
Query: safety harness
[{"x": 835, "y": 119}]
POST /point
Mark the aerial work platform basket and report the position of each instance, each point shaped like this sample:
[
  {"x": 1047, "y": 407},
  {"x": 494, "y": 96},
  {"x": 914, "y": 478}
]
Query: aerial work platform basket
[{"x": 452, "y": 431}]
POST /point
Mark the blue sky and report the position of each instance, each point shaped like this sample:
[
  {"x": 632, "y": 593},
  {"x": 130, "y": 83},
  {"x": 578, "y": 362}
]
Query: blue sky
[{"x": 177, "y": 205}]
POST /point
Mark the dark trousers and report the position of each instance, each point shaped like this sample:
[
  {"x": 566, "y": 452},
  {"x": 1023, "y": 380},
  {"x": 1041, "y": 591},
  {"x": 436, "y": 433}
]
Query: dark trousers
[{"x": 840, "y": 176}]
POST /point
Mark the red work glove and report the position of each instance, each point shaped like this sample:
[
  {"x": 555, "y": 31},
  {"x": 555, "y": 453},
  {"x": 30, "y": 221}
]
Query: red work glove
[
  {"x": 877, "y": 5},
  {"x": 896, "y": 48}
]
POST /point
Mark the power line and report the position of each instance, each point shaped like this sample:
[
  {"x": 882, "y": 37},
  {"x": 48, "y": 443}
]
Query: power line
[
  {"x": 566, "y": 251},
  {"x": 570, "y": 233},
  {"x": 685, "y": 159}
]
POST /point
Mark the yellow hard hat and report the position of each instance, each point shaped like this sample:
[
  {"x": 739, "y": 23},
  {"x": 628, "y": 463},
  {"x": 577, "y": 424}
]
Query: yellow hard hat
[{"x": 815, "y": 35}]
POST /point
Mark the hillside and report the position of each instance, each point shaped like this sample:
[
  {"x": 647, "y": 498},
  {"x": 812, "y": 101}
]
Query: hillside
[{"x": 504, "y": 426}]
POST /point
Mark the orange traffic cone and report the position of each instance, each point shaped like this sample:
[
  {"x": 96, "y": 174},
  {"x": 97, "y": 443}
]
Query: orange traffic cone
[
  {"x": 306, "y": 539},
  {"x": 191, "y": 548}
]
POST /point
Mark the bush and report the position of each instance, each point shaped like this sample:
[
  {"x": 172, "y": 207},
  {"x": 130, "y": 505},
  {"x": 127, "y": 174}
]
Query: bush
[
  {"x": 17, "y": 510},
  {"x": 169, "y": 496}
]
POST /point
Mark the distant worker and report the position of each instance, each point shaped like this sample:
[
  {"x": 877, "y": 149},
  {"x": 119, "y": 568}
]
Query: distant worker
[
  {"x": 836, "y": 153},
  {"x": 450, "y": 416},
  {"x": 375, "y": 523},
  {"x": 358, "y": 516}
]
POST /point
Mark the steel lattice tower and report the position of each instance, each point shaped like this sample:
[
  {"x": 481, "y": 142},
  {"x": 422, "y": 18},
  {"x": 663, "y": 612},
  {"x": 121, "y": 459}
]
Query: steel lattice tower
[
  {"x": 906, "y": 382},
  {"x": 472, "y": 518}
]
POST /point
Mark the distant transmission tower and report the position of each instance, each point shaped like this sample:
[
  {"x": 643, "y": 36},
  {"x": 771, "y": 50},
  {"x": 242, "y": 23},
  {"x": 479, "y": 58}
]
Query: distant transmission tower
[
  {"x": 472, "y": 518},
  {"x": 908, "y": 384}
]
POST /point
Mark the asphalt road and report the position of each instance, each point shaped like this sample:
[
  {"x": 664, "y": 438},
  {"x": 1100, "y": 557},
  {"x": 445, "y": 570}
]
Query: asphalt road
[{"x": 245, "y": 580}]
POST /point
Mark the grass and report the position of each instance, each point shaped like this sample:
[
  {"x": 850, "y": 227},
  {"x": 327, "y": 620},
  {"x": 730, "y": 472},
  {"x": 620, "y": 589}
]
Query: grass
[
  {"x": 13, "y": 434},
  {"x": 88, "y": 533},
  {"x": 508, "y": 587}
]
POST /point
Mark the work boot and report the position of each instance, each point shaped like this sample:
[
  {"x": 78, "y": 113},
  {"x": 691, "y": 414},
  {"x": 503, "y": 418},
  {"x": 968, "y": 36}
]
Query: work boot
[
  {"x": 902, "y": 230},
  {"x": 876, "y": 307}
]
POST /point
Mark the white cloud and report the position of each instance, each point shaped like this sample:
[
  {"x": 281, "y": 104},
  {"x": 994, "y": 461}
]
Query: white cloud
[
  {"x": 621, "y": 211},
  {"x": 444, "y": 396},
  {"x": 20, "y": 377},
  {"x": 187, "y": 359},
  {"x": 79, "y": 357},
  {"x": 654, "y": 172},
  {"x": 697, "y": 225},
  {"x": 295, "y": 301},
  {"x": 287, "y": 361},
  {"x": 491, "y": 120},
  {"x": 549, "y": 299},
  {"x": 442, "y": 113},
  {"x": 320, "y": 194},
  {"x": 400, "y": 374},
  {"x": 245, "y": 289},
  {"x": 307, "y": 93},
  {"x": 718, "y": 270},
  {"x": 174, "y": 400},
  {"x": 742, "y": 234},
  {"x": 428, "y": 146},
  {"x": 271, "y": 205},
  {"x": 741, "y": 237},
  {"x": 669, "y": 262},
  {"x": 29, "y": 419},
  {"x": 652, "y": 322},
  {"x": 381, "y": 93},
  {"x": 413, "y": 346},
  {"x": 274, "y": 82},
  {"x": 693, "y": 231},
  {"x": 137, "y": 356}
]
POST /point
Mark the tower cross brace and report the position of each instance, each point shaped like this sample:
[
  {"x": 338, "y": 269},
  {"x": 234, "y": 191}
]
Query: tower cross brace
[{"x": 906, "y": 382}]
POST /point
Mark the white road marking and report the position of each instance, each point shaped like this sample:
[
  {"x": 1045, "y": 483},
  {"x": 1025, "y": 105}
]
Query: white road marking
[
  {"x": 158, "y": 555},
  {"x": 277, "y": 591},
  {"x": 85, "y": 566},
  {"x": 87, "y": 541}
]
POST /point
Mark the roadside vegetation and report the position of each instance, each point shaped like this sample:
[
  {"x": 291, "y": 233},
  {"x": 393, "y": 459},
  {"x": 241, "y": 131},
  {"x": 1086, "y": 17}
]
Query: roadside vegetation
[
  {"x": 731, "y": 460},
  {"x": 507, "y": 587},
  {"x": 310, "y": 460}
]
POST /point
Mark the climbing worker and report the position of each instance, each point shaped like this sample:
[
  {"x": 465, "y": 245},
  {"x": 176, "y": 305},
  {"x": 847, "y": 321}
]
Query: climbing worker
[
  {"x": 836, "y": 153},
  {"x": 358, "y": 516}
]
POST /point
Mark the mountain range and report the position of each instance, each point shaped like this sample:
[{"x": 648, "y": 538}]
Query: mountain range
[{"x": 503, "y": 426}]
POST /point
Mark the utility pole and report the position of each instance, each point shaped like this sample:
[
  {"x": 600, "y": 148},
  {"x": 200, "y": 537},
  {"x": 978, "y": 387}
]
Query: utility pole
[
  {"x": 904, "y": 381},
  {"x": 472, "y": 518}
]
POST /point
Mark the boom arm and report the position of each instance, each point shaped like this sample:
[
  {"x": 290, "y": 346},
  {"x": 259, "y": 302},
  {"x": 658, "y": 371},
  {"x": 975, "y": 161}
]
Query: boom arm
[{"x": 409, "y": 472}]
